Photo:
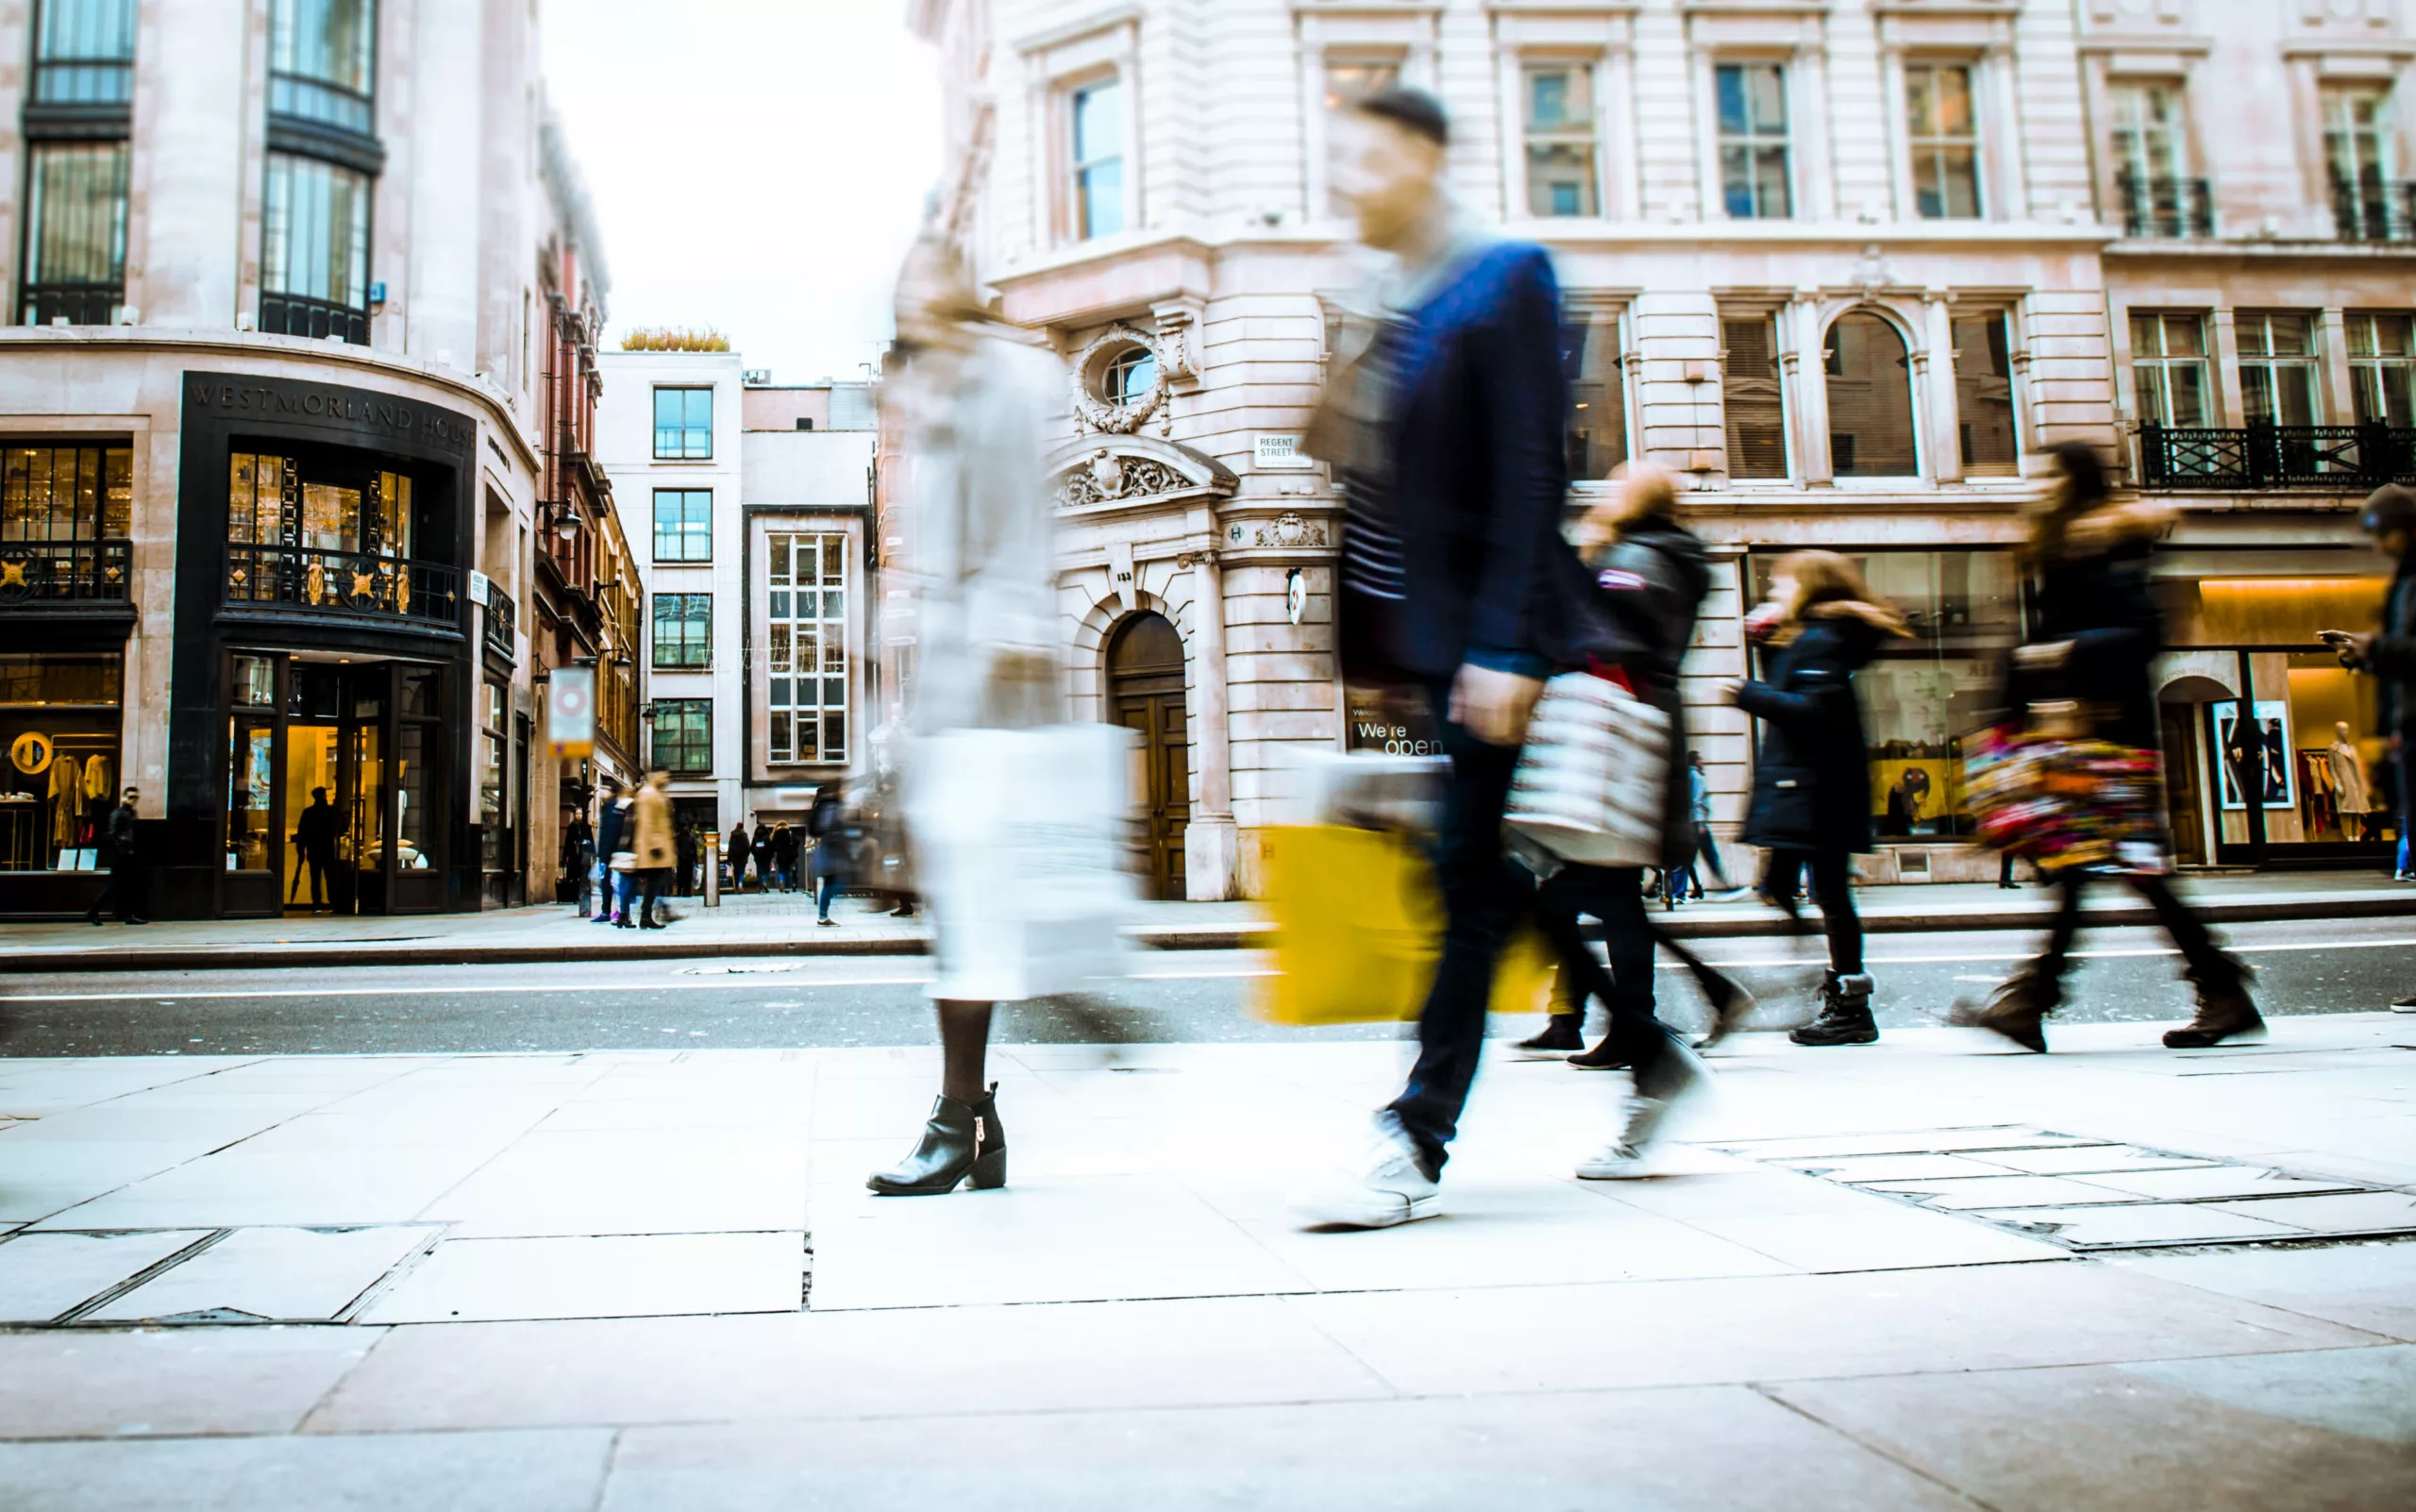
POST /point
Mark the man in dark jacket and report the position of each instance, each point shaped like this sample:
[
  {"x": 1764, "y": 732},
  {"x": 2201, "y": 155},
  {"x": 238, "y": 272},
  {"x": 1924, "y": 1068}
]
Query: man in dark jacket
[
  {"x": 611, "y": 838},
  {"x": 736, "y": 855},
  {"x": 1448, "y": 429},
  {"x": 129, "y": 884},
  {"x": 314, "y": 844},
  {"x": 2390, "y": 653}
]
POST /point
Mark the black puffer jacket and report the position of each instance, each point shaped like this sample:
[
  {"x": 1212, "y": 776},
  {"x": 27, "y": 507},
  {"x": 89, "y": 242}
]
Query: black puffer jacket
[
  {"x": 1812, "y": 776},
  {"x": 1637, "y": 613},
  {"x": 2095, "y": 597}
]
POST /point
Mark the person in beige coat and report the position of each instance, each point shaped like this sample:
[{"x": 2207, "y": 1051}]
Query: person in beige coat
[{"x": 655, "y": 845}]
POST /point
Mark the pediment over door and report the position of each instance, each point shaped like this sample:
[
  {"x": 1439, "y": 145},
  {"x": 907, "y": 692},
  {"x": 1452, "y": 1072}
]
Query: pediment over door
[{"x": 1112, "y": 469}]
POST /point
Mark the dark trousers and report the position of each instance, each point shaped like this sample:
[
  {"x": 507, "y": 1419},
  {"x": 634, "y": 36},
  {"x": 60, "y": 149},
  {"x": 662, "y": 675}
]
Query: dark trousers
[
  {"x": 1706, "y": 856},
  {"x": 318, "y": 869},
  {"x": 2208, "y": 965},
  {"x": 1483, "y": 898},
  {"x": 127, "y": 890},
  {"x": 1831, "y": 889},
  {"x": 655, "y": 880},
  {"x": 1613, "y": 894}
]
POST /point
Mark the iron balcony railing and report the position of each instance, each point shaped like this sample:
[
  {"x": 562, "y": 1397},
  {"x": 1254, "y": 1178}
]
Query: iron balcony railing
[
  {"x": 2266, "y": 456},
  {"x": 52, "y": 571},
  {"x": 288, "y": 314},
  {"x": 2163, "y": 207},
  {"x": 76, "y": 304},
  {"x": 343, "y": 582},
  {"x": 503, "y": 618},
  {"x": 2374, "y": 209}
]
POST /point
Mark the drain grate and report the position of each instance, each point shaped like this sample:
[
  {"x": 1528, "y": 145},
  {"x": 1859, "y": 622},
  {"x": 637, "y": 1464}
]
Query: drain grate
[{"x": 2091, "y": 1193}]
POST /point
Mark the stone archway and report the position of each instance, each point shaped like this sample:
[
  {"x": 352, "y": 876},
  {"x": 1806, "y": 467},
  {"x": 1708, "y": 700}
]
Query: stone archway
[{"x": 1145, "y": 693}]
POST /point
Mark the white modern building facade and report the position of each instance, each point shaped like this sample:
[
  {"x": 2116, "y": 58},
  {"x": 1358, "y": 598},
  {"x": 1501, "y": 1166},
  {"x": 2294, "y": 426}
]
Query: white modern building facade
[
  {"x": 1848, "y": 266},
  {"x": 747, "y": 505},
  {"x": 274, "y": 414}
]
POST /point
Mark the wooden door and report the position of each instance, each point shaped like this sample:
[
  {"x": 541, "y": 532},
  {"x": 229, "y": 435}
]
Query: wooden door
[
  {"x": 1146, "y": 695},
  {"x": 2181, "y": 786}
]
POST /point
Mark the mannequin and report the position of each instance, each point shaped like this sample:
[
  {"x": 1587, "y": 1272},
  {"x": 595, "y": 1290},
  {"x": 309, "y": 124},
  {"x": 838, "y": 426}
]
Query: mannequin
[{"x": 2348, "y": 778}]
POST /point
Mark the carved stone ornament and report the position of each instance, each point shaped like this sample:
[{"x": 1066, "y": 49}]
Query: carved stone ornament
[
  {"x": 1102, "y": 414},
  {"x": 1107, "y": 478},
  {"x": 1290, "y": 530}
]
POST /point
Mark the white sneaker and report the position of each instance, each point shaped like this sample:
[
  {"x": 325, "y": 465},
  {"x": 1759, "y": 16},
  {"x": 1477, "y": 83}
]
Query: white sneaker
[
  {"x": 1630, "y": 1154},
  {"x": 1387, "y": 1185},
  {"x": 2405, "y": 1006}
]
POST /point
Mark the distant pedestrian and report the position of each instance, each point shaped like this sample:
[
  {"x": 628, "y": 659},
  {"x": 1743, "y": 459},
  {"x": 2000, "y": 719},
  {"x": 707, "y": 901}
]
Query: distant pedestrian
[
  {"x": 761, "y": 850},
  {"x": 684, "y": 845},
  {"x": 612, "y": 844},
  {"x": 128, "y": 889},
  {"x": 655, "y": 848},
  {"x": 831, "y": 857},
  {"x": 2389, "y": 654},
  {"x": 314, "y": 847},
  {"x": 2098, "y": 633},
  {"x": 1811, "y": 807},
  {"x": 578, "y": 860},
  {"x": 784, "y": 856},
  {"x": 735, "y": 856}
]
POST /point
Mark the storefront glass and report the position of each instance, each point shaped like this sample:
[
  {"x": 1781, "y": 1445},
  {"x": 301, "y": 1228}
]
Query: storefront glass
[
  {"x": 1922, "y": 696},
  {"x": 61, "y": 717}
]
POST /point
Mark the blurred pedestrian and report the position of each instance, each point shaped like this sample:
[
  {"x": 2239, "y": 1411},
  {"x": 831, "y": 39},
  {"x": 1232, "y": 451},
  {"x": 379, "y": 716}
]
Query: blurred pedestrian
[
  {"x": 578, "y": 860},
  {"x": 784, "y": 856},
  {"x": 1446, "y": 423},
  {"x": 1648, "y": 579},
  {"x": 654, "y": 845},
  {"x": 828, "y": 824},
  {"x": 2097, "y": 635},
  {"x": 614, "y": 844},
  {"x": 128, "y": 889},
  {"x": 977, "y": 405},
  {"x": 735, "y": 856},
  {"x": 2389, "y": 654},
  {"x": 315, "y": 846},
  {"x": 761, "y": 848},
  {"x": 1811, "y": 807},
  {"x": 685, "y": 846}
]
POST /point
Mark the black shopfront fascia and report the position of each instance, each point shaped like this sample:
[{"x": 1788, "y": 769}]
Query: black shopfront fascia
[{"x": 224, "y": 413}]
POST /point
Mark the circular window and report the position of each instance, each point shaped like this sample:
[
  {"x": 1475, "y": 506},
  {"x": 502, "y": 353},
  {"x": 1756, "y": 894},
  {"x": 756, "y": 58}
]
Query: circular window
[{"x": 1128, "y": 376}]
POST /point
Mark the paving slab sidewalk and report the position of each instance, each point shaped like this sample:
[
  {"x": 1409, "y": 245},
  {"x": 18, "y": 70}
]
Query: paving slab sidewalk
[
  {"x": 783, "y": 924},
  {"x": 653, "y": 1279}
]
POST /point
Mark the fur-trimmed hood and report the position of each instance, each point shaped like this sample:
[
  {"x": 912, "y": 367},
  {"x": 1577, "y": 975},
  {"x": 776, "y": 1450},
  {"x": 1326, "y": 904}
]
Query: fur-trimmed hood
[
  {"x": 1879, "y": 616},
  {"x": 2110, "y": 526}
]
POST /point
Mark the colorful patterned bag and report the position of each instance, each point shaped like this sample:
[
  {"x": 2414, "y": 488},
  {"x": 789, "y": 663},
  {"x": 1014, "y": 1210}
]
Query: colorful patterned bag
[{"x": 2066, "y": 802}]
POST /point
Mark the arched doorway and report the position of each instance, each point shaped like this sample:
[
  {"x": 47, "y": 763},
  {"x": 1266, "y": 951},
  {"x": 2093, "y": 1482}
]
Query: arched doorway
[
  {"x": 2181, "y": 711},
  {"x": 1145, "y": 694}
]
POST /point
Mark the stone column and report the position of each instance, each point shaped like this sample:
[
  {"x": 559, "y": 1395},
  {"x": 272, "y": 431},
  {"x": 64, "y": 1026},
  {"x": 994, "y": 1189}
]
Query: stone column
[
  {"x": 1211, "y": 840},
  {"x": 1805, "y": 380},
  {"x": 190, "y": 161},
  {"x": 1942, "y": 401},
  {"x": 447, "y": 126}
]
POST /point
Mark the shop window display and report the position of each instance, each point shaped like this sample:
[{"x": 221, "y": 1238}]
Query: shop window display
[
  {"x": 1920, "y": 698},
  {"x": 59, "y": 723}
]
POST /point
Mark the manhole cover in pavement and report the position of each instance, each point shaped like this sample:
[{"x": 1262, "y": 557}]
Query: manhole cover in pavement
[{"x": 2091, "y": 1194}]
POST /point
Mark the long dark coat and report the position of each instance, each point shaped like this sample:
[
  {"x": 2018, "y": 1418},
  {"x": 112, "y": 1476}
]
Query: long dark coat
[{"x": 1812, "y": 776}]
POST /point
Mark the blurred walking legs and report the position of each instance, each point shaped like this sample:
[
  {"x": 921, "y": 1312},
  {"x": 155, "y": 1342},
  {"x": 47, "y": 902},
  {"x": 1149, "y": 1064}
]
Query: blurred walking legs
[
  {"x": 2019, "y": 1007},
  {"x": 1845, "y": 987}
]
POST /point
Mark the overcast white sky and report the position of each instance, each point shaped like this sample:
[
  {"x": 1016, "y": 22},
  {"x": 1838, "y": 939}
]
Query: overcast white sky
[{"x": 757, "y": 165}]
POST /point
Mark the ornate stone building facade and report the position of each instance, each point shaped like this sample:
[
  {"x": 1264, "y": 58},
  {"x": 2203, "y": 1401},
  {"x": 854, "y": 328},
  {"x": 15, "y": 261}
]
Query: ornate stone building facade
[{"x": 1848, "y": 266}]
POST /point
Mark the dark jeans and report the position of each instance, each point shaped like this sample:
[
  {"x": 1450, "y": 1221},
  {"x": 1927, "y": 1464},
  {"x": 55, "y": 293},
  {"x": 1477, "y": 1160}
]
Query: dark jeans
[
  {"x": 1482, "y": 896},
  {"x": 655, "y": 880},
  {"x": 1615, "y": 894},
  {"x": 829, "y": 891},
  {"x": 1707, "y": 855},
  {"x": 318, "y": 869},
  {"x": 127, "y": 890},
  {"x": 1831, "y": 889},
  {"x": 2208, "y": 965}
]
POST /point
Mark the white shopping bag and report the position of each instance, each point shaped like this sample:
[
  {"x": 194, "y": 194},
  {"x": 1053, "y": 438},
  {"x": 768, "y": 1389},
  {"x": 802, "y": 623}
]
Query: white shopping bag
[
  {"x": 1591, "y": 780},
  {"x": 1021, "y": 856}
]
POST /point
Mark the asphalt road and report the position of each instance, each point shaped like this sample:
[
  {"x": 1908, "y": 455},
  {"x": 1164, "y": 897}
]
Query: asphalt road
[{"x": 2353, "y": 965}]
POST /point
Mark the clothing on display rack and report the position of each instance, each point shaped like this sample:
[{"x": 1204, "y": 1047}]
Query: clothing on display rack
[
  {"x": 65, "y": 808},
  {"x": 2318, "y": 800},
  {"x": 97, "y": 772}
]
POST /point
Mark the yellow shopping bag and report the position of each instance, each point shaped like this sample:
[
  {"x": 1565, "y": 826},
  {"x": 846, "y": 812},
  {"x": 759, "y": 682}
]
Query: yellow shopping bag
[{"x": 1358, "y": 930}]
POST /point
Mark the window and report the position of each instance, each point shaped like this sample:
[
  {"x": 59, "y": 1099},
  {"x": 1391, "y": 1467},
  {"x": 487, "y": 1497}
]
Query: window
[
  {"x": 2382, "y": 368},
  {"x": 1754, "y": 170},
  {"x": 1348, "y": 82},
  {"x": 74, "y": 233},
  {"x": 2357, "y": 148},
  {"x": 322, "y": 59},
  {"x": 493, "y": 817},
  {"x": 1870, "y": 399},
  {"x": 684, "y": 425},
  {"x": 84, "y": 53},
  {"x": 314, "y": 254},
  {"x": 1128, "y": 376},
  {"x": 683, "y": 633},
  {"x": 66, "y": 493},
  {"x": 1098, "y": 112},
  {"x": 1560, "y": 140},
  {"x": 2151, "y": 141},
  {"x": 683, "y": 736},
  {"x": 1944, "y": 131},
  {"x": 808, "y": 661},
  {"x": 683, "y": 518},
  {"x": 1749, "y": 395},
  {"x": 1590, "y": 354},
  {"x": 2276, "y": 367},
  {"x": 1983, "y": 397},
  {"x": 2169, "y": 369}
]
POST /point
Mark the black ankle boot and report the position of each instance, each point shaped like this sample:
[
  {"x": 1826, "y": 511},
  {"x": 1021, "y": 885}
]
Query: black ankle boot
[
  {"x": 1565, "y": 1033},
  {"x": 962, "y": 1139},
  {"x": 1845, "y": 1013}
]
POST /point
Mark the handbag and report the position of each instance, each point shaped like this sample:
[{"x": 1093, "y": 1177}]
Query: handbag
[
  {"x": 1591, "y": 780},
  {"x": 2065, "y": 799}
]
